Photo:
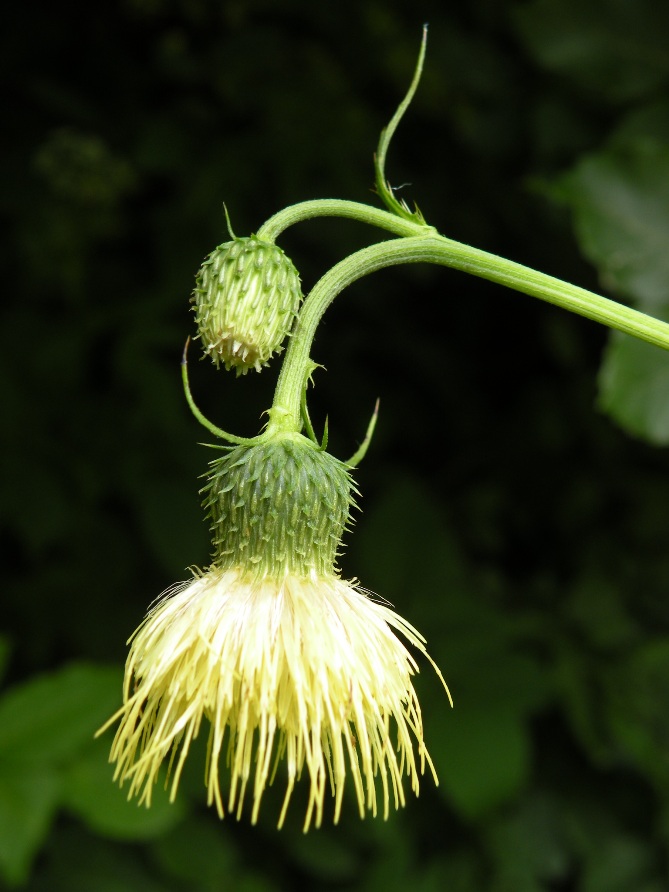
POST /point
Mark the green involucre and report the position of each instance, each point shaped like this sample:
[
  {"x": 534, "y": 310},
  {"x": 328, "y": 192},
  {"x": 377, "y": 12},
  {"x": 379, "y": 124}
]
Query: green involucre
[
  {"x": 247, "y": 294},
  {"x": 278, "y": 507}
]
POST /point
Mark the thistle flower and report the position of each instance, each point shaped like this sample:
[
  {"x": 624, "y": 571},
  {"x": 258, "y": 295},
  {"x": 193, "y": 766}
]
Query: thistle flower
[
  {"x": 247, "y": 293},
  {"x": 283, "y": 658}
]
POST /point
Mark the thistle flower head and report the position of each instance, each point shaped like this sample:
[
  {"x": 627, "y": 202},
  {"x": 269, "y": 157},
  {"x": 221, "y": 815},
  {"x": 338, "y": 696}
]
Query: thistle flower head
[
  {"x": 284, "y": 660},
  {"x": 305, "y": 669},
  {"x": 246, "y": 297}
]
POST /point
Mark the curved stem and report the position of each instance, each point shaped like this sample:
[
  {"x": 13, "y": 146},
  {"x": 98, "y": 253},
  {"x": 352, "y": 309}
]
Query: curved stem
[
  {"x": 383, "y": 187},
  {"x": 336, "y": 207},
  {"x": 437, "y": 249},
  {"x": 204, "y": 421},
  {"x": 397, "y": 219},
  {"x": 288, "y": 391}
]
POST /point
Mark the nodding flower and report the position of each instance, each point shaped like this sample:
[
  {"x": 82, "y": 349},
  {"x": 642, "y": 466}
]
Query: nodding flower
[{"x": 296, "y": 671}]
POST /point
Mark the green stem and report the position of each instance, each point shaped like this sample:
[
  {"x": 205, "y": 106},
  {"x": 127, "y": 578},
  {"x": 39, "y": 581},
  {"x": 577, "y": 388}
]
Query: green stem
[
  {"x": 429, "y": 248},
  {"x": 204, "y": 421},
  {"x": 383, "y": 187},
  {"x": 336, "y": 207}
]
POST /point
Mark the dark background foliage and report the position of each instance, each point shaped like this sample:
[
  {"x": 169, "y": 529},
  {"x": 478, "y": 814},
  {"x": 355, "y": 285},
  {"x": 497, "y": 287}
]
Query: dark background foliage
[{"x": 515, "y": 495}]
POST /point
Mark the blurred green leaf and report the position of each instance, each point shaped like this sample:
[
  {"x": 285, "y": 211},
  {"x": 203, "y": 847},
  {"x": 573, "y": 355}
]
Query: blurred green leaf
[
  {"x": 611, "y": 858},
  {"x": 28, "y": 801},
  {"x": 404, "y": 522},
  {"x": 252, "y": 881},
  {"x": 620, "y": 201},
  {"x": 647, "y": 122},
  {"x": 44, "y": 722},
  {"x": 392, "y": 859},
  {"x": 579, "y": 686},
  {"x": 532, "y": 832},
  {"x": 595, "y": 605},
  {"x": 89, "y": 792},
  {"x": 329, "y": 856},
  {"x": 482, "y": 748},
  {"x": 395, "y": 869},
  {"x": 48, "y": 718},
  {"x": 637, "y": 707},
  {"x": 481, "y": 753},
  {"x": 200, "y": 853},
  {"x": 456, "y": 872},
  {"x": 80, "y": 168},
  {"x": 77, "y": 861},
  {"x": 620, "y": 864},
  {"x": 634, "y": 386}
]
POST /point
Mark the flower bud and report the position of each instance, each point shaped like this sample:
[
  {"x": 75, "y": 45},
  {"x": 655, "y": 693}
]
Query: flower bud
[
  {"x": 247, "y": 294},
  {"x": 278, "y": 507}
]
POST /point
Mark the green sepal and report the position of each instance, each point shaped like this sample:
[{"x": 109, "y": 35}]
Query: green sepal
[{"x": 361, "y": 452}]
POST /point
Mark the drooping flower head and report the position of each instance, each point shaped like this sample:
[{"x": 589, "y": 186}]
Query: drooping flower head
[{"x": 282, "y": 659}]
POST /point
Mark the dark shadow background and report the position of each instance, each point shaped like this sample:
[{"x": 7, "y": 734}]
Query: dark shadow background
[{"x": 503, "y": 514}]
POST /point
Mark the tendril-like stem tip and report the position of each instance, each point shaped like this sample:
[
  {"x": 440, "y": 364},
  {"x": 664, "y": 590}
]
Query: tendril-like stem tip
[
  {"x": 204, "y": 421},
  {"x": 358, "y": 456}
]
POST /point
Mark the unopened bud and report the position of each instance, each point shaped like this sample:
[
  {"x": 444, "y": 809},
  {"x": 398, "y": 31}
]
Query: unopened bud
[{"x": 247, "y": 294}]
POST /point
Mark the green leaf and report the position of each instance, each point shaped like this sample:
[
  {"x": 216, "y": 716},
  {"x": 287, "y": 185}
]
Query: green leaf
[
  {"x": 77, "y": 861},
  {"x": 620, "y": 201},
  {"x": 481, "y": 753},
  {"x": 455, "y": 872},
  {"x": 48, "y": 718},
  {"x": 328, "y": 856},
  {"x": 599, "y": 610},
  {"x": 649, "y": 122},
  {"x": 531, "y": 831},
  {"x": 90, "y": 793},
  {"x": 621, "y": 864},
  {"x": 44, "y": 722},
  {"x": 28, "y": 801},
  {"x": 637, "y": 705},
  {"x": 482, "y": 747},
  {"x": 199, "y": 853},
  {"x": 575, "y": 679},
  {"x": 392, "y": 861},
  {"x": 634, "y": 387}
]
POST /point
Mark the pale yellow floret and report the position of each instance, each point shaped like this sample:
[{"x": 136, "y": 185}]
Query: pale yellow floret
[{"x": 304, "y": 669}]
